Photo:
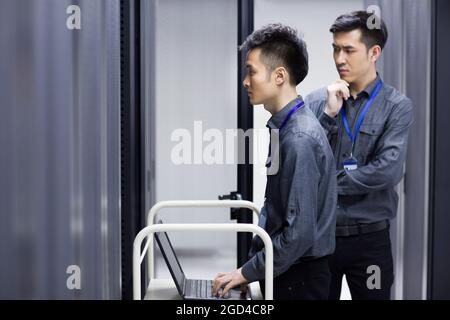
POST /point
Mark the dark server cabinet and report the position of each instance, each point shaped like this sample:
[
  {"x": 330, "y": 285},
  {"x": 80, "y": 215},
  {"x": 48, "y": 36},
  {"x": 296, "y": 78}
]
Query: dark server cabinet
[{"x": 439, "y": 260}]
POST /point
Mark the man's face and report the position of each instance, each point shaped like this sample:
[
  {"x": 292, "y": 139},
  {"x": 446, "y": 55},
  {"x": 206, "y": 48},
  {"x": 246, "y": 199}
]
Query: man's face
[
  {"x": 350, "y": 55},
  {"x": 258, "y": 82}
]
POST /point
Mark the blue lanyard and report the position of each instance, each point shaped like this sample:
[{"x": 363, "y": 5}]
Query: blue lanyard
[
  {"x": 291, "y": 112},
  {"x": 298, "y": 106},
  {"x": 361, "y": 117}
]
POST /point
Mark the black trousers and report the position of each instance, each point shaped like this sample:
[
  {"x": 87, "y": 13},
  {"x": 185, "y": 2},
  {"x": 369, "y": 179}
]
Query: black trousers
[
  {"x": 308, "y": 280},
  {"x": 366, "y": 262}
]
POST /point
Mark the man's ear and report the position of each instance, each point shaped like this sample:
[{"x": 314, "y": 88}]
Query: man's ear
[
  {"x": 374, "y": 53},
  {"x": 281, "y": 75}
]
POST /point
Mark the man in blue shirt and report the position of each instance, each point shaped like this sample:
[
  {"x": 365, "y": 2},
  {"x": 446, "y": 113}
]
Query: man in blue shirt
[
  {"x": 367, "y": 123},
  {"x": 300, "y": 197}
]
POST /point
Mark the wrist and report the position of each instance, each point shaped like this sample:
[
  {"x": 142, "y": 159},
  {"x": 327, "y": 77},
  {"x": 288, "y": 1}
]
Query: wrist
[
  {"x": 241, "y": 275},
  {"x": 330, "y": 113}
]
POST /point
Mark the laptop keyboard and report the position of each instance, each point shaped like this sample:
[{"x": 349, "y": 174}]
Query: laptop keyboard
[{"x": 200, "y": 288}]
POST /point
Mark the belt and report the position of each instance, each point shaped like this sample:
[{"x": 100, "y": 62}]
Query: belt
[{"x": 356, "y": 229}]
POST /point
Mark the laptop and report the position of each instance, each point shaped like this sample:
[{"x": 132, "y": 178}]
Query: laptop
[{"x": 191, "y": 289}]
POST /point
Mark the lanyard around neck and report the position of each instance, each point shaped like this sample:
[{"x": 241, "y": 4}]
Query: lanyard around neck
[
  {"x": 291, "y": 112},
  {"x": 351, "y": 136},
  {"x": 283, "y": 124}
]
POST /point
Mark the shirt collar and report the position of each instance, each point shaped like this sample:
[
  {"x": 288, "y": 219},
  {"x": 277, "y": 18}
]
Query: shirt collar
[
  {"x": 277, "y": 119},
  {"x": 371, "y": 87}
]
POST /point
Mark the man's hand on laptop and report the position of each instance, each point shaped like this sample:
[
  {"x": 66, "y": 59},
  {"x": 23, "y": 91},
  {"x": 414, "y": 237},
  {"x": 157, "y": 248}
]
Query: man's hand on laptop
[{"x": 227, "y": 280}]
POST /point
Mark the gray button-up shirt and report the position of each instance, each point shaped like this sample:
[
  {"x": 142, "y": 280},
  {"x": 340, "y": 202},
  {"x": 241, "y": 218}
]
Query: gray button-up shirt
[
  {"x": 367, "y": 194},
  {"x": 300, "y": 198}
]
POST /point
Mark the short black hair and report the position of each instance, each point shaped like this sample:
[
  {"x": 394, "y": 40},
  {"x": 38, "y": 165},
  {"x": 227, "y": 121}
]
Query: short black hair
[
  {"x": 280, "y": 46},
  {"x": 358, "y": 20}
]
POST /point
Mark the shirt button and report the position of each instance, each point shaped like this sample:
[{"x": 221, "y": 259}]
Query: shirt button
[{"x": 338, "y": 206}]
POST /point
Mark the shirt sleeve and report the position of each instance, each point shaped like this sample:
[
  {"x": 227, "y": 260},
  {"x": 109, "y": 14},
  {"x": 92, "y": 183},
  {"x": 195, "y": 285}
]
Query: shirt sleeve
[
  {"x": 386, "y": 168},
  {"x": 316, "y": 102},
  {"x": 300, "y": 183},
  {"x": 329, "y": 125}
]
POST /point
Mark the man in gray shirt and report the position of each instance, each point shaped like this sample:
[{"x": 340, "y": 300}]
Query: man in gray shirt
[
  {"x": 300, "y": 198},
  {"x": 367, "y": 123}
]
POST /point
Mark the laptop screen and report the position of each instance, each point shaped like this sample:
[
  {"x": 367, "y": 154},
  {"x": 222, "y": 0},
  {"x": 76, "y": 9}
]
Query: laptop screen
[{"x": 171, "y": 259}]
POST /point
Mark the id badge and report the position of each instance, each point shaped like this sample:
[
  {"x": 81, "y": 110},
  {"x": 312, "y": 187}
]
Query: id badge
[{"x": 350, "y": 164}]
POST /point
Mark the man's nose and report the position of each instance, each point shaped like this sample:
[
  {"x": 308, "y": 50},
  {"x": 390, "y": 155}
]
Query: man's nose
[
  {"x": 340, "y": 59},
  {"x": 246, "y": 83}
]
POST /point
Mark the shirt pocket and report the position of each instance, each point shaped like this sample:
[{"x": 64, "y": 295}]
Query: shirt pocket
[{"x": 366, "y": 142}]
